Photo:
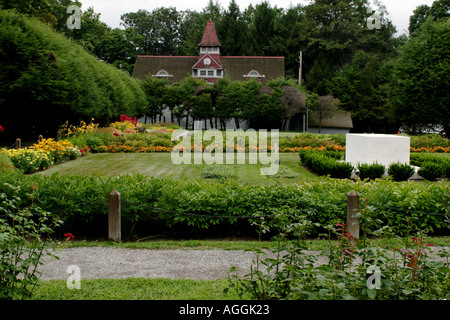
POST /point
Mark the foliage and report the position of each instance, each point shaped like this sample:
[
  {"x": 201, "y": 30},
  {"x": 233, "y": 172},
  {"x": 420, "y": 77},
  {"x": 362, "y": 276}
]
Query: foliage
[
  {"x": 67, "y": 82},
  {"x": 418, "y": 159},
  {"x": 288, "y": 271},
  {"x": 400, "y": 171},
  {"x": 325, "y": 163},
  {"x": 81, "y": 201},
  {"x": 423, "y": 60},
  {"x": 218, "y": 172},
  {"x": 370, "y": 171},
  {"x": 431, "y": 170},
  {"x": 23, "y": 244},
  {"x": 29, "y": 160}
]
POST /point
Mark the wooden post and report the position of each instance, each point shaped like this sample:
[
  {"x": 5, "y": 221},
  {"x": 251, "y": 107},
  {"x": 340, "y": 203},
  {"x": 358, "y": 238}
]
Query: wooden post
[
  {"x": 352, "y": 210},
  {"x": 18, "y": 143},
  {"x": 114, "y": 227},
  {"x": 40, "y": 138}
]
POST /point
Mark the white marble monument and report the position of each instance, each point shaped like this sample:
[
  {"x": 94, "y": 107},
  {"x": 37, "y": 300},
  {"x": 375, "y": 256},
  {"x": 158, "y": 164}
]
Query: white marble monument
[{"x": 380, "y": 148}]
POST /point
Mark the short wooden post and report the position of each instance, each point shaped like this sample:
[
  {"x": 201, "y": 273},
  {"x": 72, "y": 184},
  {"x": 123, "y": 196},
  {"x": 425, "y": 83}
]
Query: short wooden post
[
  {"x": 18, "y": 143},
  {"x": 40, "y": 138},
  {"x": 352, "y": 211},
  {"x": 114, "y": 227}
]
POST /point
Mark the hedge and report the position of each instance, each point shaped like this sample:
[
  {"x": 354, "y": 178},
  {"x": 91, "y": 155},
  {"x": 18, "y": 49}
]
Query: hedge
[
  {"x": 46, "y": 79},
  {"x": 82, "y": 203}
]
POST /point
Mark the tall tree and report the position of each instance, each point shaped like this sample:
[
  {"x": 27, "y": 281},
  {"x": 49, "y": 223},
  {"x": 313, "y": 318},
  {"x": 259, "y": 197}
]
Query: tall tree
[
  {"x": 232, "y": 31},
  {"x": 421, "y": 83}
]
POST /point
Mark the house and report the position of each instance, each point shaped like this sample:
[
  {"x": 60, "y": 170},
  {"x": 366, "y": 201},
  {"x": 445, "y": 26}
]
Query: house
[
  {"x": 336, "y": 122},
  {"x": 209, "y": 64}
]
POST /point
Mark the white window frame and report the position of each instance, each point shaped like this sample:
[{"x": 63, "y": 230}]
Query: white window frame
[
  {"x": 204, "y": 73},
  {"x": 254, "y": 74}
]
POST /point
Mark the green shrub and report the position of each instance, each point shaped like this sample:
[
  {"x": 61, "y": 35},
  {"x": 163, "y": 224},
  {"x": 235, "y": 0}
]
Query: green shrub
[
  {"x": 418, "y": 159},
  {"x": 431, "y": 170},
  {"x": 23, "y": 244},
  {"x": 370, "y": 171},
  {"x": 400, "y": 171},
  {"x": 291, "y": 273},
  {"x": 323, "y": 164},
  {"x": 81, "y": 201},
  {"x": 429, "y": 141}
]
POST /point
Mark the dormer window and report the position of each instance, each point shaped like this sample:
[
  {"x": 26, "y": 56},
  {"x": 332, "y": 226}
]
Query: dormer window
[
  {"x": 162, "y": 74},
  {"x": 253, "y": 74}
]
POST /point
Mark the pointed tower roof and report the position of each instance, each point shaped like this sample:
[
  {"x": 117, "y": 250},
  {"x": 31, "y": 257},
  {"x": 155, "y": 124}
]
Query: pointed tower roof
[{"x": 209, "y": 36}]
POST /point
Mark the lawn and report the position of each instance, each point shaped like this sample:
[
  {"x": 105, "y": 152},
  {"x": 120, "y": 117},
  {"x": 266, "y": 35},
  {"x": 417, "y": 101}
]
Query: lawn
[{"x": 161, "y": 165}]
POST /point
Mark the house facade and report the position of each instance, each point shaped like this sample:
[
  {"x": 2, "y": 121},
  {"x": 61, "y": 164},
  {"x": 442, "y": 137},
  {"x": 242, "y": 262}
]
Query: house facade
[{"x": 209, "y": 64}]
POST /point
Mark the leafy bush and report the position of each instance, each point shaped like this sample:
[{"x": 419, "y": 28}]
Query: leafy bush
[
  {"x": 291, "y": 273},
  {"x": 29, "y": 160},
  {"x": 23, "y": 244},
  {"x": 400, "y": 171},
  {"x": 323, "y": 164},
  {"x": 370, "y": 171},
  {"x": 418, "y": 159},
  {"x": 431, "y": 170},
  {"x": 429, "y": 141}
]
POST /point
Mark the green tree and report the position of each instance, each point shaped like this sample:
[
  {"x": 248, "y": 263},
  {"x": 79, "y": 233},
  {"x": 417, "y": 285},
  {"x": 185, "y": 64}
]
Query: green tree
[
  {"x": 420, "y": 86},
  {"x": 439, "y": 10}
]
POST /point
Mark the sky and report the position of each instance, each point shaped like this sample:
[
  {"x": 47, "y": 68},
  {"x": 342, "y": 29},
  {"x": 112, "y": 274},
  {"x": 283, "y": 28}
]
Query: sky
[{"x": 110, "y": 10}]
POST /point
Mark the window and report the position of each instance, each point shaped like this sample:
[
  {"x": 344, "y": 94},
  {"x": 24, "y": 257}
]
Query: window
[
  {"x": 162, "y": 73},
  {"x": 203, "y": 72},
  {"x": 195, "y": 72},
  {"x": 253, "y": 74},
  {"x": 211, "y": 73},
  {"x": 219, "y": 73}
]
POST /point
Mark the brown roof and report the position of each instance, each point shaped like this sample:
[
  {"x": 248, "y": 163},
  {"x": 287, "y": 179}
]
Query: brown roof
[
  {"x": 180, "y": 67},
  {"x": 209, "y": 36}
]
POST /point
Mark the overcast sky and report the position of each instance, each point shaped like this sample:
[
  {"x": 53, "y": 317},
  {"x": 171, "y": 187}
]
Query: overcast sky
[{"x": 111, "y": 10}]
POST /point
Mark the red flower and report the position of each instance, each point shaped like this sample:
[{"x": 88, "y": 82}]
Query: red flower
[
  {"x": 1, "y": 129},
  {"x": 69, "y": 236}
]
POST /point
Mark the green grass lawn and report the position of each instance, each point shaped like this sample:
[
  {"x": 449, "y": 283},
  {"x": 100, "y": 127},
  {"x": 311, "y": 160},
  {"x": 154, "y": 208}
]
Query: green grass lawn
[
  {"x": 135, "y": 289},
  {"x": 161, "y": 165}
]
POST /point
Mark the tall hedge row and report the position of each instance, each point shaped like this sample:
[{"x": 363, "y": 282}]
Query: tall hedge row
[{"x": 46, "y": 79}]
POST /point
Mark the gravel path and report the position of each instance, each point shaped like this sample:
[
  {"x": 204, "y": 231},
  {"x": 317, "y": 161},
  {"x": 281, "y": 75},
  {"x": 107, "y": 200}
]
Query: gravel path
[
  {"x": 101, "y": 262},
  {"x": 119, "y": 263}
]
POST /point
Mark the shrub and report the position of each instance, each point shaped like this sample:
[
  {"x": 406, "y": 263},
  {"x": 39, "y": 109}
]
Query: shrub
[
  {"x": 431, "y": 170},
  {"x": 322, "y": 164},
  {"x": 370, "y": 171},
  {"x": 23, "y": 244},
  {"x": 291, "y": 273},
  {"x": 418, "y": 159},
  {"x": 400, "y": 171},
  {"x": 29, "y": 160}
]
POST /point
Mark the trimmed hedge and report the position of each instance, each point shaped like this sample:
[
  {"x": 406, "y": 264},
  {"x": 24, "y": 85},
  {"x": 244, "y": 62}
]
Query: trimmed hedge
[
  {"x": 325, "y": 163},
  {"x": 52, "y": 80},
  {"x": 82, "y": 203}
]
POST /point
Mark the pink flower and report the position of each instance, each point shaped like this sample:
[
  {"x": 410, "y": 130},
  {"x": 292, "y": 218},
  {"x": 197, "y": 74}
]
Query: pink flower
[{"x": 1, "y": 129}]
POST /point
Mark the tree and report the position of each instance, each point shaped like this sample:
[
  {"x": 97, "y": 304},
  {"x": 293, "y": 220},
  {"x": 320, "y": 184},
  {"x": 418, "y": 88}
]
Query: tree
[
  {"x": 325, "y": 108},
  {"x": 232, "y": 31},
  {"x": 440, "y": 10},
  {"x": 420, "y": 86}
]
